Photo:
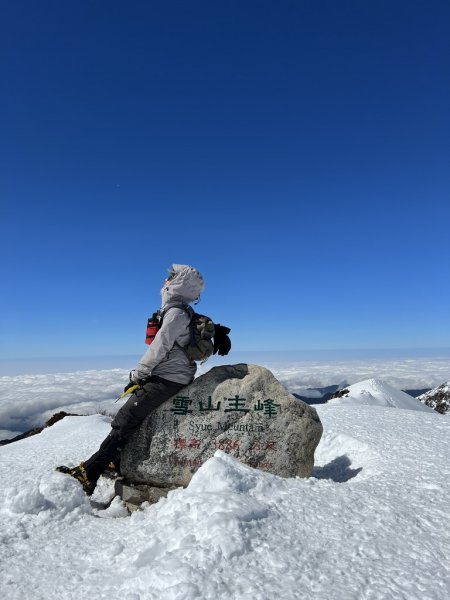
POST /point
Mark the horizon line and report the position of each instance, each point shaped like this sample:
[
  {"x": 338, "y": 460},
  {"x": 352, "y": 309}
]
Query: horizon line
[{"x": 241, "y": 351}]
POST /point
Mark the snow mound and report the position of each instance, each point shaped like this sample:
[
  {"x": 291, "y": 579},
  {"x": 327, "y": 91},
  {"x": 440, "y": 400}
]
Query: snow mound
[
  {"x": 379, "y": 393},
  {"x": 223, "y": 502}
]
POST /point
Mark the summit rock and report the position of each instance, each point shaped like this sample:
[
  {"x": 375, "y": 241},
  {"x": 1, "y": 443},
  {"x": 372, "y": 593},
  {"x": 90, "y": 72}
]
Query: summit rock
[{"x": 240, "y": 409}]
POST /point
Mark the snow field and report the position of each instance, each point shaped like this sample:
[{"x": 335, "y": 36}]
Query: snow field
[{"x": 372, "y": 522}]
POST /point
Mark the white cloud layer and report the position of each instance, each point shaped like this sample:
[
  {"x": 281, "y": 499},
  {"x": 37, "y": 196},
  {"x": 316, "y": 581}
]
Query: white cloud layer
[
  {"x": 27, "y": 401},
  {"x": 402, "y": 374}
]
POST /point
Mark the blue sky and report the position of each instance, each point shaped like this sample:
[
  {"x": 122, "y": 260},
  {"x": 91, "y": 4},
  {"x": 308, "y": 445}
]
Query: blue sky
[{"x": 296, "y": 153}]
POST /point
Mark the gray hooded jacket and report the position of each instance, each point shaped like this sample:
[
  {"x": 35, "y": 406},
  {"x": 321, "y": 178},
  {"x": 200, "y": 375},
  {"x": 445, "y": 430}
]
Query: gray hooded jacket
[{"x": 165, "y": 357}]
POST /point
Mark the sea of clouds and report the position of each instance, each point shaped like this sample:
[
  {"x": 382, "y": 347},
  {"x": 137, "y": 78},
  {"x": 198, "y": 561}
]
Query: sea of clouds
[{"x": 28, "y": 400}]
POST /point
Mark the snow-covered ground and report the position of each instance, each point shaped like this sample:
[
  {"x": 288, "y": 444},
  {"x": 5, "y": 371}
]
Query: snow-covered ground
[{"x": 371, "y": 523}]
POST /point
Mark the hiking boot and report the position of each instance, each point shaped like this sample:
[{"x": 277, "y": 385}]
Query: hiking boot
[
  {"x": 111, "y": 471},
  {"x": 79, "y": 474}
]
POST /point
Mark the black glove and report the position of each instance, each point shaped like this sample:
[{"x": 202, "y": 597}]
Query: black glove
[{"x": 222, "y": 343}]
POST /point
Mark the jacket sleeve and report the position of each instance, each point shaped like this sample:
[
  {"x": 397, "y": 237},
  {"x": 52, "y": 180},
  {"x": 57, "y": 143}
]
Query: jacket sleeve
[{"x": 175, "y": 324}]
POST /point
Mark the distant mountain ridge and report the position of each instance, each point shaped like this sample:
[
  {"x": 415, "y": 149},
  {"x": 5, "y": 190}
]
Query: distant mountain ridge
[
  {"x": 323, "y": 394},
  {"x": 379, "y": 393},
  {"x": 438, "y": 398}
]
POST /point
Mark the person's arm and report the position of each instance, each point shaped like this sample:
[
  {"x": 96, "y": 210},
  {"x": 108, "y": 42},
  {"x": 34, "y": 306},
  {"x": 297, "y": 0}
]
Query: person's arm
[{"x": 175, "y": 324}]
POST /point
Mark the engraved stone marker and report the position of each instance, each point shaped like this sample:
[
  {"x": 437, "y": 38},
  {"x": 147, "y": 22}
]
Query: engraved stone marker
[{"x": 240, "y": 409}]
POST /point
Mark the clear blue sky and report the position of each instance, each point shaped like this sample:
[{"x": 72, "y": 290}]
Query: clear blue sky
[{"x": 296, "y": 152}]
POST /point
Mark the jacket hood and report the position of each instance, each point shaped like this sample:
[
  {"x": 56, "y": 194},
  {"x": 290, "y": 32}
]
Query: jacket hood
[{"x": 186, "y": 286}]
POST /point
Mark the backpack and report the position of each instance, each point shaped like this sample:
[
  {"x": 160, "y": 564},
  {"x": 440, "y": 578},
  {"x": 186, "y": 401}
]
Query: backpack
[
  {"x": 201, "y": 345},
  {"x": 207, "y": 338}
]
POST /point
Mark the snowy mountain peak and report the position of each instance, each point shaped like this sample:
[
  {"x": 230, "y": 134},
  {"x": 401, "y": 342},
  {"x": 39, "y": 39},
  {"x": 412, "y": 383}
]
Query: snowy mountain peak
[
  {"x": 379, "y": 393},
  {"x": 438, "y": 398}
]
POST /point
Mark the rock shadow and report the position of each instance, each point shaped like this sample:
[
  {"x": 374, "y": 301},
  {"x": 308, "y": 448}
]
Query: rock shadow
[{"x": 337, "y": 470}]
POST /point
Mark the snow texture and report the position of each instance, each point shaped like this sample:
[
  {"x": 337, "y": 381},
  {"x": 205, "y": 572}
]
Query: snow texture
[{"x": 371, "y": 523}]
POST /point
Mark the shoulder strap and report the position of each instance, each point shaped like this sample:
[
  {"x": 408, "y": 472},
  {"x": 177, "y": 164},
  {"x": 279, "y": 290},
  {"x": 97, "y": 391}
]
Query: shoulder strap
[{"x": 188, "y": 309}]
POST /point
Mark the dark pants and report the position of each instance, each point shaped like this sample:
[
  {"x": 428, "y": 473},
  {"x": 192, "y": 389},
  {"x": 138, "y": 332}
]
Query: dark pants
[{"x": 128, "y": 420}]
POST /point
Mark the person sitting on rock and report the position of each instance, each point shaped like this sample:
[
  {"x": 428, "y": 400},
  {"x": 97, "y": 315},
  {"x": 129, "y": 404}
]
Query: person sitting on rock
[{"x": 161, "y": 373}]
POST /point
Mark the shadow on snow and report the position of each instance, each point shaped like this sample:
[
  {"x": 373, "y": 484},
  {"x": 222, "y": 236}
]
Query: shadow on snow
[{"x": 337, "y": 470}]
